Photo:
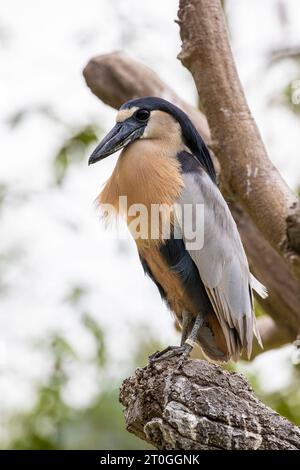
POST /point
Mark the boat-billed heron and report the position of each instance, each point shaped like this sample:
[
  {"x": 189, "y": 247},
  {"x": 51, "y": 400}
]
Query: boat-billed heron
[{"x": 164, "y": 161}]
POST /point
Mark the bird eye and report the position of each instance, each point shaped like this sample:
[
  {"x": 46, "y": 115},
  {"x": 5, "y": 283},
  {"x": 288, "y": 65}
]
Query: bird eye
[{"x": 142, "y": 115}]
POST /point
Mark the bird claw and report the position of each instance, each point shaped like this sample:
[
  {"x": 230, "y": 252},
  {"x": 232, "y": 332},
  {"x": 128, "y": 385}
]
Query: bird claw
[{"x": 169, "y": 352}]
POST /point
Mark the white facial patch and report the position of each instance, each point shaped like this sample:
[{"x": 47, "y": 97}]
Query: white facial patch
[
  {"x": 145, "y": 134},
  {"x": 124, "y": 114}
]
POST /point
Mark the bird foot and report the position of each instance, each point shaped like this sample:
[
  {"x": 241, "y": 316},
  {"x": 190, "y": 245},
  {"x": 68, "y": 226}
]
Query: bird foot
[{"x": 171, "y": 351}]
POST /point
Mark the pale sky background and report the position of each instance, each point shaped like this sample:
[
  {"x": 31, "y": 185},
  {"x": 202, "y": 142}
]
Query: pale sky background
[{"x": 53, "y": 234}]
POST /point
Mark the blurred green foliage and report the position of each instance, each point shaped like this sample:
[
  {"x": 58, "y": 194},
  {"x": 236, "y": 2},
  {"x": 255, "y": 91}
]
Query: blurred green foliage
[
  {"x": 52, "y": 423},
  {"x": 3, "y": 192},
  {"x": 286, "y": 401},
  {"x": 290, "y": 97},
  {"x": 19, "y": 116},
  {"x": 73, "y": 151}
]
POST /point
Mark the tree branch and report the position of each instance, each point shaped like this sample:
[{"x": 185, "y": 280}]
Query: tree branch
[
  {"x": 116, "y": 78},
  {"x": 251, "y": 176},
  {"x": 201, "y": 407},
  {"x": 271, "y": 334},
  {"x": 283, "y": 53}
]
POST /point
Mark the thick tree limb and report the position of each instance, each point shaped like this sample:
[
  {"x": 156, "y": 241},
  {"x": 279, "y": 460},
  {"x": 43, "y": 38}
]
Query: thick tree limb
[
  {"x": 250, "y": 174},
  {"x": 116, "y": 78},
  {"x": 283, "y": 302},
  {"x": 201, "y": 407},
  {"x": 272, "y": 336}
]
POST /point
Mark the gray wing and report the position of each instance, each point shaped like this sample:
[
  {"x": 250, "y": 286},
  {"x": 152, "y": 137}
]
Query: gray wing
[{"x": 221, "y": 262}]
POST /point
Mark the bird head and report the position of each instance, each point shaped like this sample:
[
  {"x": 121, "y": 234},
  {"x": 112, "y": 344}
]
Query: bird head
[
  {"x": 156, "y": 119},
  {"x": 136, "y": 119}
]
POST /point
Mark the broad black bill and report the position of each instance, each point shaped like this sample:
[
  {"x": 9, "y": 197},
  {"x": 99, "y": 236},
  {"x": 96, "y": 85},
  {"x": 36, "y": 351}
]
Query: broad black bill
[{"x": 121, "y": 135}]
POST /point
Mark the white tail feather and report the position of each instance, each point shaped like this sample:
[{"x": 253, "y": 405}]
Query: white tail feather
[
  {"x": 259, "y": 287},
  {"x": 256, "y": 333}
]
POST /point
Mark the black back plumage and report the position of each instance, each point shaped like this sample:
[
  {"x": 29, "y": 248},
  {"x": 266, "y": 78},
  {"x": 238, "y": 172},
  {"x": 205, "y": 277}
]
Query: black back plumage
[{"x": 180, "y": 262}]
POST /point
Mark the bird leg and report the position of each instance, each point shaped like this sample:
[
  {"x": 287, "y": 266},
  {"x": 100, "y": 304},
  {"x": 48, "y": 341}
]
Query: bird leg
[
  {"x": 186, "y": 326},
  {"x": 190, "y": 342},
  {"x": 186, "y": 346}
]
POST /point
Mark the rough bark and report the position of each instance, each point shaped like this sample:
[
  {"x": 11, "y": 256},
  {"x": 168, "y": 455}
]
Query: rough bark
[
  {"x": 116, "y": 78},
  {"x": 201, "y": 407},
  {"x": 251, "y": 176}
]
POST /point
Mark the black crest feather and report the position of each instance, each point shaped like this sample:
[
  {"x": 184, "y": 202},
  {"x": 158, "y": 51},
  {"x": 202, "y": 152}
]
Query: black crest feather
[{"x": 190, "y": 135}]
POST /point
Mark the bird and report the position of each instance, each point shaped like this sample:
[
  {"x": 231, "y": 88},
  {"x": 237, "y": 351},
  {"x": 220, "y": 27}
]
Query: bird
[{"x": 164, "y": 161}]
